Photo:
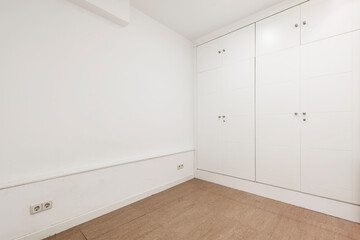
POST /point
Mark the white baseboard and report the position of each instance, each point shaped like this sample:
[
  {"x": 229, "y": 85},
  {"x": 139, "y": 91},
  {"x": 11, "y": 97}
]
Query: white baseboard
[
  {"x": 86, "y": 169},
  {"x": 99, "y": 212},
  {"x": 339, "y": 209}
]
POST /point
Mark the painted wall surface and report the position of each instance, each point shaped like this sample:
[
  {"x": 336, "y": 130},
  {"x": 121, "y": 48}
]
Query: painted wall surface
[
  {"x": 78, "y": 91},
  {"x": 80, "y": 197}
]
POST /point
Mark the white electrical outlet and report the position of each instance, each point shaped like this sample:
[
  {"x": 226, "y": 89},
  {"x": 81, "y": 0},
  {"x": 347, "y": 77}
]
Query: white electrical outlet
[
  {"x": 40, "y": 207},
  {"x": 35, "y": 209},
  {"x": 181, "y": 166},
  {"x": 47, "y": 205}
]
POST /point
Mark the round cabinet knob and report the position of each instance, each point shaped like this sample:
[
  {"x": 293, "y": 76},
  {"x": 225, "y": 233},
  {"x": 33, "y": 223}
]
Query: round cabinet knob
[
  {"x": 224, "y": 50},
  {"x": 304, "y": 22},
  {"x": 304, "y": 120},
  {"x": 219, "y": 51},
  {"x": 296, "y": 25},
  {"x": 223, "y": 116},
  {"x": 304, "y": 113},
  {"x": 296, "y": 114},
  {"x": 219, "y": 117}
]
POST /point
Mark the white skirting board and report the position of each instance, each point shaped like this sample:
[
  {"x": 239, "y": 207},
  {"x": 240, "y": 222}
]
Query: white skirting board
[
  {"x": 99, "y": 212},
  {"x": 327, "y": 206}
]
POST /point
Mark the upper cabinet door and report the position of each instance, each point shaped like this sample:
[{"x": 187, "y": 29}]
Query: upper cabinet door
[
  {"x": 321, "y": 19},
  {"x": 238, "y": 46},
  {"x": 209, "y": 56},
  {"x": 278, "y": 32}
]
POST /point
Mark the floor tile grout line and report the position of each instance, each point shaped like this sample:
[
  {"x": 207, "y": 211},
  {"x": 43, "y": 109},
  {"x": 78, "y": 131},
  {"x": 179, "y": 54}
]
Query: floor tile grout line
[{"x": 82, "y": 234}]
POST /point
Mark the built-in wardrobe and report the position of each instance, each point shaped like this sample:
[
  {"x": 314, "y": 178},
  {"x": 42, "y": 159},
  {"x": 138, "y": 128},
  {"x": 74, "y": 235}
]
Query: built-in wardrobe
[{"x": 278, "y": 101}]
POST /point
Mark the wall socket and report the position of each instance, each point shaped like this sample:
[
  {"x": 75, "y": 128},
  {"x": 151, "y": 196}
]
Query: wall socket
[
  {"x": 47, "y": 205},
  {"x": 35, "y": 209},
  {"x": 40, "y": 207},
  {"x": 181, "y": 166}
]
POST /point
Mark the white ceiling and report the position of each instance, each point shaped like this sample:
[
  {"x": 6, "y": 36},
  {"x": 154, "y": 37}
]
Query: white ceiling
[{"x": 196, "y": 18}]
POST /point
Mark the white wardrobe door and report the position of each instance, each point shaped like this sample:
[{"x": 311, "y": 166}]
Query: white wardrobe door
[
  {"x": 278, "y": 120},
  {"x": 328, "y": 107},
  {"x": 356, "y": 120},
  {"x": 238, "y": 46},
  {"x": 238, "y": 140},
  {"x": 356, "y": 20},
  {"x": 208, "y": 153},
  {"x": 278, "y": 32},
  {"x": 208, "y": 56},
  {"x": 209, "y": 123},
  {"x": 325, "y": 18}
]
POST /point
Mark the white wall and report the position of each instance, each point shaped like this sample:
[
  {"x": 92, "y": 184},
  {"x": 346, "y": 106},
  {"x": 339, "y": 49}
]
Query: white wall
[{"x": 79, "y": 92}]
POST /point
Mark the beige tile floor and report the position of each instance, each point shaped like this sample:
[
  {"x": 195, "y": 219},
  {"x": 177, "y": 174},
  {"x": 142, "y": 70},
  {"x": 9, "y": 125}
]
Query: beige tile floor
[{"x": 199, "y": 210}]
